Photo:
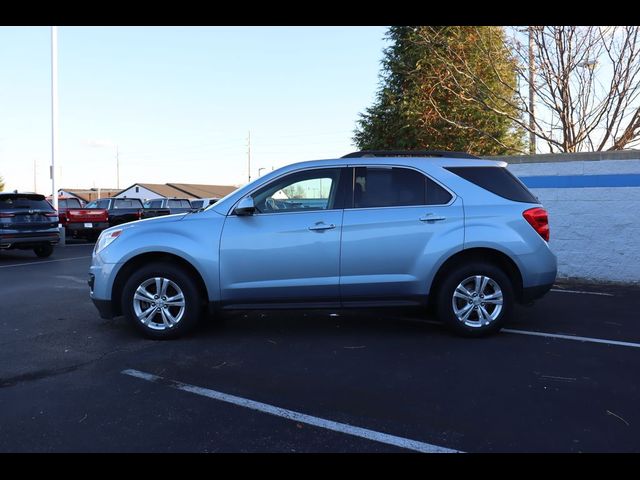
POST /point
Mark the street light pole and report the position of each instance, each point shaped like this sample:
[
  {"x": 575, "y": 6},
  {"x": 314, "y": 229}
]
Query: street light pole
[
  {"x": 117, "y": 167},
  {"x": 249, "y": 155},
  {"x": 532, "y": 92},
  {"x": 54, "y": 112}
]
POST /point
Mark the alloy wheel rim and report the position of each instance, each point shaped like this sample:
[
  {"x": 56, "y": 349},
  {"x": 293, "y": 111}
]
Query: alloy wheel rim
[
  {"x": 477, "y": 301},
  {"x": 159, "y": 303}
]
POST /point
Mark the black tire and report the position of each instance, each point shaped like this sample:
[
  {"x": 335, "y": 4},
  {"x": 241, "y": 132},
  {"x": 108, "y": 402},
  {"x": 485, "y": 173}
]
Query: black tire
[
  {"x": 193, "y": 301},
  {"x": 445, "y": 298},
  {"x": 43, "y": 251}
]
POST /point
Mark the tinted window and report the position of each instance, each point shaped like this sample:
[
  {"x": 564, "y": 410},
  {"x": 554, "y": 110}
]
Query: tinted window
[
  {"x": 388, "y": 187},
  {"x": 311, "y": 190},
  {"x": 127, "y": 203},
  {"x": 497, "y": 180},
  {"x": 69, "y": 203},
  {"x": 154, "y": 204},
  {"x": 436, "y": 195},
  {"x": 197, "y": 203},
  {"x": 32, "y": 202},
  {"x": 178, "y": 204},
  {"x": 103, "y": 203}
]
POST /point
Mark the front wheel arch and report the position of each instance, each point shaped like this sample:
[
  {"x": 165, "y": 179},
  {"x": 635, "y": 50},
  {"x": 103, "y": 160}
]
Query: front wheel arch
[{"x": 139, "y": 261}]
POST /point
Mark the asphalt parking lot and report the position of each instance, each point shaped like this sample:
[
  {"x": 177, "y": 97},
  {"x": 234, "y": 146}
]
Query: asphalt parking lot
[{"x": 562, "y": 377}]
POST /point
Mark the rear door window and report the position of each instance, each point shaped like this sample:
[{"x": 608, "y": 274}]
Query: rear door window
[{"x": 395, "y": 187}]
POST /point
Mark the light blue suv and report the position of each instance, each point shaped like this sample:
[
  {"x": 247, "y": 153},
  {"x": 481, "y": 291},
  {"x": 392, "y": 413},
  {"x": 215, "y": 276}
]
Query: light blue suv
[{"x": 370, "y": 229}]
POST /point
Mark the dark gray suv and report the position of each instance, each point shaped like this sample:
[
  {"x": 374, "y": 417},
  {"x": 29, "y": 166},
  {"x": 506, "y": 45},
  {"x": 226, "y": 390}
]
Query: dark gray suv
[{"x": 28, "y": 222}]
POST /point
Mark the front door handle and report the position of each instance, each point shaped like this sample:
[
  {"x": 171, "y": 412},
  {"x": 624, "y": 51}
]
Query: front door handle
[
  {"x": 430, "y": 217},
  {"x": 321, "y": 226}
]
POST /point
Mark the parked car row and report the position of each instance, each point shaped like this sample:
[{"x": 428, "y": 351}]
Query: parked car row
[{"x": 28, "y": 221}]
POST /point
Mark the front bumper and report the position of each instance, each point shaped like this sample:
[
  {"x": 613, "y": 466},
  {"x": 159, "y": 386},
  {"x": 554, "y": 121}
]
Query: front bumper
[{"x": 105, "y": 308}]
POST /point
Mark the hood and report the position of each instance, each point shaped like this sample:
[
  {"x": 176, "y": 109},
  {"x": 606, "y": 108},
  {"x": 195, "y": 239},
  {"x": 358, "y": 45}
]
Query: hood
[{"x": 142, "y": 223}]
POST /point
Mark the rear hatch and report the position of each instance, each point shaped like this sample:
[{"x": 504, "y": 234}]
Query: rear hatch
[
  {"x": 87, "y": 215},
  {"x": 28, "y": 213},
  {"x": 72, "y": 212}
]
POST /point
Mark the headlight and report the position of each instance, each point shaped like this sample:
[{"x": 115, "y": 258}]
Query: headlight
[{"x": 105, "y": 240}]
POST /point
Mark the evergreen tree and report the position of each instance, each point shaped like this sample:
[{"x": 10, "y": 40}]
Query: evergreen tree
[{"x": 418, "y": 105}]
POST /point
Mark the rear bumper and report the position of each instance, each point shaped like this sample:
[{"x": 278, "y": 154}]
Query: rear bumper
[
  {"x": 79, "y": 228},
  {"x": 529, "y": 294},
  {"x": 31, "y": 240}
]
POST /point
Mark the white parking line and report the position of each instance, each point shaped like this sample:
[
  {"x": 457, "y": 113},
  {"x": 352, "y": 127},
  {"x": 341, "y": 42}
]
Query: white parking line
[
  {"x": 583, "y": 292},
  {"x": 45, "y": 261},
  {"x": 556, "y": 335},
  {"x": 295, "y": 416},
  {"x": 572, "y": 337}
]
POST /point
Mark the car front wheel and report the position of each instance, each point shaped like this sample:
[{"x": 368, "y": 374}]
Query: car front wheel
[
  {"x": 162, "y": 301},
  {"x": 475, "y": 299}
]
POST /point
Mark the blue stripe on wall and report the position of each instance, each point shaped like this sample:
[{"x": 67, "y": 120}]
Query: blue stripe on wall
[{"x": 582, "y": 181}]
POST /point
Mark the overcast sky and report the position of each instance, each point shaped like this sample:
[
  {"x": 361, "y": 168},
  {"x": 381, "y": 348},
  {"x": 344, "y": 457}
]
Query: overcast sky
[{"x": 178, "y": 102}]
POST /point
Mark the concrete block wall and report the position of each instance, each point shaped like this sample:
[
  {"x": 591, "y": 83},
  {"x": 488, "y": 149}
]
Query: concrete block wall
[{"x": 594, "y": 209}]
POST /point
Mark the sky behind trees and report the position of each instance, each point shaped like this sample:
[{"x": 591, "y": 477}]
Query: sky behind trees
[{"x": 178, "y": 102}]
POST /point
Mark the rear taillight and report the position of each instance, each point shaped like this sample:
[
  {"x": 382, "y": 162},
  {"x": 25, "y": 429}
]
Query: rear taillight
[
  {"x": 539, "y": 220},
  {"x": 139, "y": 214},
  {"x": 7, "y": 215}
]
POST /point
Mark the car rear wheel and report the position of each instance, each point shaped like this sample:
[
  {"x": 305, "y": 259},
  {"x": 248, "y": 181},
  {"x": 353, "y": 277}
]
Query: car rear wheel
[
  {"x": 43, "y": 251},
  {"x": 475, "y": 299},
  {"x": 162, "y": 301}
]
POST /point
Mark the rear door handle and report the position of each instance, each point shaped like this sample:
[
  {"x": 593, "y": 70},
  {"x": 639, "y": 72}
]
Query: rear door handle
[
  {"x": 321, "y": 226},
  {"x": 430, "y": 217}
]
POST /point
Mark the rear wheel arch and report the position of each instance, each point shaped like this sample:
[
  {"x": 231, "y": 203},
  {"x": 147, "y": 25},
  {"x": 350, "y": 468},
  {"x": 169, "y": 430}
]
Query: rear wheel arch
[
  {"x": 487, "y": 255},
  {"x": 145, "y": 259}
]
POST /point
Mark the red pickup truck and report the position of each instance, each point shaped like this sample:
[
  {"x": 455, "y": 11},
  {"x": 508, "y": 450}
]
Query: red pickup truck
[{"x": 80, "y": 222}]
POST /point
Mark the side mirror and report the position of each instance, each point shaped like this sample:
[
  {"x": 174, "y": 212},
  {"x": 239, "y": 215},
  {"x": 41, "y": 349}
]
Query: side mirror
[{"x": 245, "y": 207}]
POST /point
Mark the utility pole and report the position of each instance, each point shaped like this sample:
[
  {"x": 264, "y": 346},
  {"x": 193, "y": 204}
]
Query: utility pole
[
  {"x": 54, "y": 113},
  {"x": 249, "y": 155},
  {"x": 532, "y": 92},
  {"x": 117, "y": 168}
]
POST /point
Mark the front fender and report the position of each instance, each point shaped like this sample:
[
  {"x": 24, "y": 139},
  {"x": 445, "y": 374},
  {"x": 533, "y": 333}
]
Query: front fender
[{"x": 196, "y": 240}]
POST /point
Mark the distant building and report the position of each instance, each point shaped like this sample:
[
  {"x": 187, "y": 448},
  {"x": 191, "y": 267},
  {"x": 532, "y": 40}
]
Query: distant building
[
  {"x": 87, "y": 195},
  {"x": 145, "y": 191}
]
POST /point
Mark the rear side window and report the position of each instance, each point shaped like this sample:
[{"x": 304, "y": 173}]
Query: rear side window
[
  {"x": 9, "y": 202},
  {"x": 127, "y": 203},
  {"x": 497, "y": 180},
  {"x": 395, "y": 187},
  {"x": 178, "y": 204},
  {"x": 69, "y": 203}
]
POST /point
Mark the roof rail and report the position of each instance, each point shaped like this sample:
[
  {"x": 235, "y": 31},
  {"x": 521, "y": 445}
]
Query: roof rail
[{"x": 408, "y": 153}]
